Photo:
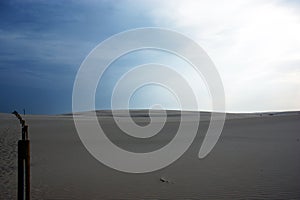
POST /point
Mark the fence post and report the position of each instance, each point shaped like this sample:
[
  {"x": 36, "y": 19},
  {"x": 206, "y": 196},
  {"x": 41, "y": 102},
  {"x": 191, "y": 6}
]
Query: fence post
[
  {"x": 20, "y": 170},
  {"x": 23, "y": 162}
]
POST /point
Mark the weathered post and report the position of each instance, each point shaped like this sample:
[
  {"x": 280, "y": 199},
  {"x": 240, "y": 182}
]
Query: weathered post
[{"x": 23, "y": 162}]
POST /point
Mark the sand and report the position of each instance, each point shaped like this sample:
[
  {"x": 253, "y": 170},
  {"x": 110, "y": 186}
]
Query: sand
[{"x": 256, "y": 157}]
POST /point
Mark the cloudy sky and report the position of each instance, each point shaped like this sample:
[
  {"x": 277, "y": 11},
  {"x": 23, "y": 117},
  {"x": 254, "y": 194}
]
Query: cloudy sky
[{"x": 254, "y": 44}]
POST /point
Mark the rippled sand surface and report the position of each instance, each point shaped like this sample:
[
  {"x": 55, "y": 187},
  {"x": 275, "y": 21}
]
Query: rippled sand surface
[{"x": 257, "y": 157}]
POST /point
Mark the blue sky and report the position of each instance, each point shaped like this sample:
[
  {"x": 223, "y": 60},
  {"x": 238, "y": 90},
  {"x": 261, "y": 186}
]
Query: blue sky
[
  {"x": 43, "y": 43},
  {"x": 254, "y": 44}
]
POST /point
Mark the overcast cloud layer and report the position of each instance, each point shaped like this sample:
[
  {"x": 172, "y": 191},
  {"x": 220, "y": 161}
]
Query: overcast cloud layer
[{"x": 254, "y": 44}]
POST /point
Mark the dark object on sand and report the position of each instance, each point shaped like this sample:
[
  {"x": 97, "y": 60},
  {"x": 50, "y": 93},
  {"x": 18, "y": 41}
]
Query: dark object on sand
[
  {"x": 23, "y": 162},
  {"x": 164, "y": 180}
]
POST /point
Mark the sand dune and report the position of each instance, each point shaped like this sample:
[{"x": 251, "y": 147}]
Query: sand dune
[{"x": 256, "y": 157}]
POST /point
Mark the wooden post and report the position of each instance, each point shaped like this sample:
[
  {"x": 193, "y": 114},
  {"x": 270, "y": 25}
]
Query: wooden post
[
  {"x": 23, "y": 162},
  {"x": 27, "y": 169},
  {"x": 21, "y": 169}
]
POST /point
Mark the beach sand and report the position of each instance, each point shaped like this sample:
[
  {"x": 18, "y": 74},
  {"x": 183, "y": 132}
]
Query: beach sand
[{"x": 256, "y": 157}]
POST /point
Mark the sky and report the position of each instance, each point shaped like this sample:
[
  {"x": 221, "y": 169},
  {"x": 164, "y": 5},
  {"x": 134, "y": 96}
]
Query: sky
[{"x": 254, "y": 44}]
